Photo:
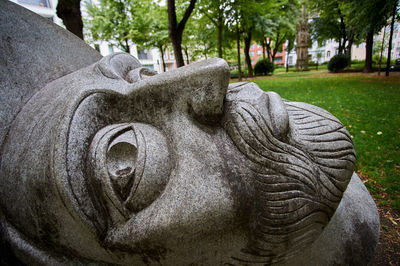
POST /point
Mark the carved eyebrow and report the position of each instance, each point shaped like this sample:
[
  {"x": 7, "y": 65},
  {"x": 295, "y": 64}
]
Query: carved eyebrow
[{"x": 123, "y": 66}]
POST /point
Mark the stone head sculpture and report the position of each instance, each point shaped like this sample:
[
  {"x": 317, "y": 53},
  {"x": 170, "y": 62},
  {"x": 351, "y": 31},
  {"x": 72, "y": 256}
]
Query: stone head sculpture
[{"x": 107, "y": 163}]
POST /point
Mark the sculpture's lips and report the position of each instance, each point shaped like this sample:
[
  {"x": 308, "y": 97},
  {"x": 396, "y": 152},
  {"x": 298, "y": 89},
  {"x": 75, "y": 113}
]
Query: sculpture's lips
[{"x": 269, "y": 105}]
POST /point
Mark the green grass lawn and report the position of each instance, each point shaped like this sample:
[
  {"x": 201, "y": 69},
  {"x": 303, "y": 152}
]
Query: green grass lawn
[{"x": 369, "y": 107}]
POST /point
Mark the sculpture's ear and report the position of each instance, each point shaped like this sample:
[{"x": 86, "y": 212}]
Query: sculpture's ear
[
  {"x": 123, "y": 66},
  {"x": 33, "y": 52}
]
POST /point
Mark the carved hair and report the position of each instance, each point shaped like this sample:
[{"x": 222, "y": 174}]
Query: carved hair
[{"x": 296, "y": 192}]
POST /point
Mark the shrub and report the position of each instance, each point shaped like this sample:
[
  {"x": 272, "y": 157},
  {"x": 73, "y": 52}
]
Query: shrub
[
  {"x": 356, "y": 62},
  {"x": 338, "y": 62},
  {"x": 263, "y": 67}
]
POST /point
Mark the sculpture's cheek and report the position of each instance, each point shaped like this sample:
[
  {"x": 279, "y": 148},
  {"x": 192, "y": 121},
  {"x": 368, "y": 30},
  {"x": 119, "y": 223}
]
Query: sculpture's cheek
[{"x": 130, "y": 166}]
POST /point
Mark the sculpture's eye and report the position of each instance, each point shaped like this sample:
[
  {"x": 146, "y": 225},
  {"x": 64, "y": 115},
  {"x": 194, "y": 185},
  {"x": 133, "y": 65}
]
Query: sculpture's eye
[{"x": 131, "y": 164}]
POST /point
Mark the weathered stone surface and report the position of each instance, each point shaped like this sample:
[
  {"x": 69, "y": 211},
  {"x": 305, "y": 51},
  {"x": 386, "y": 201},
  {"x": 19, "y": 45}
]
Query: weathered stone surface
[
  {"x": 31, "y": 56},
  {"x": 107, "y": 163}
]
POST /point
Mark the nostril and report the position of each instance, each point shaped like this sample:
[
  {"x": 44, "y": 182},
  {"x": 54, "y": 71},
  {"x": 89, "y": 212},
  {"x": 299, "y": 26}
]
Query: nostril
[{"x": 207, "y": 102}]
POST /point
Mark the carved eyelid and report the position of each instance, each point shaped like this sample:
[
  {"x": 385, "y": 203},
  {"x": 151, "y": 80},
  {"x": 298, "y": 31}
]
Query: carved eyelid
[{"x": 129, "y": 167}]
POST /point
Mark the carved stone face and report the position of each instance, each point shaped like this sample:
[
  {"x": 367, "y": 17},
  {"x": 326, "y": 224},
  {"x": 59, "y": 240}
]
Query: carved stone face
[{"x": 111, "y": 164}]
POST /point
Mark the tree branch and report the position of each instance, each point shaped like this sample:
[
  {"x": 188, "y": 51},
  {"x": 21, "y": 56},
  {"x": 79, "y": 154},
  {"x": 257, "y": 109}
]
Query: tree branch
[
  {"x": 209, "y": 17},
  {"x": 186, "y": 16}
]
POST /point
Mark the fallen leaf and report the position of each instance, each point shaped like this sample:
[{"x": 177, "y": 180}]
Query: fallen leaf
[
  {"x": 392, "y": 220},
  {"x": 379, "y": 133}
]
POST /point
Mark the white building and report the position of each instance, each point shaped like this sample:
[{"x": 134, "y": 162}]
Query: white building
[
  {"x": 148, "y": 58},
  {"x": 45, "y": 8},
  {"x": 324, "y": 53},
  {"x": 331, "y": 48},
  {"x": 395, "y": 52}
]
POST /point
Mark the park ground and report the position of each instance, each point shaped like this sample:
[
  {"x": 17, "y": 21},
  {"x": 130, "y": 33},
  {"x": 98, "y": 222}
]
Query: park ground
[{"x": 369, "y": 106}]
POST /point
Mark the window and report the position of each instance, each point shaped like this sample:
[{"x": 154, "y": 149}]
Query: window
[
  {"x": 278, "y": 59},
  {"x": 144, "y": 55},
  {"x": 151, "y": 67},
  {"x": 328, "y": 54},
  {"x": 259, "y": 52},
  {"x": 42, "y": 3},
  {"x": 110, "y": 49},
  {"x": 251, "y": 53},
  {"x": 290, "y": 60},
  {"x": 252, "y": 46}
]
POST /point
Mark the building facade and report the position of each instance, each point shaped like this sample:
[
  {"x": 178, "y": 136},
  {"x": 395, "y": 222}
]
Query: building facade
[
  {"x": 256, "y": 53},
  {"x": 44, "y": 8},
  {"x": 150, "y": 58}
]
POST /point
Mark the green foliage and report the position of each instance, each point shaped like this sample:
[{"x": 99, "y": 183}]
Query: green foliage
[
  {"x": 368, "y": 106},
  {"x": 264, "y": 67},
  {"x": 338, "y": 62},
  {"x": 371, "y": 14},
  {"x": 277, "y": 25},
  {"x": 120, "y": 22}
]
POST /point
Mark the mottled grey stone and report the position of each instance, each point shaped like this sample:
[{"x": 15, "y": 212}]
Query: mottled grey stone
[{"x": 104, "y": 162}]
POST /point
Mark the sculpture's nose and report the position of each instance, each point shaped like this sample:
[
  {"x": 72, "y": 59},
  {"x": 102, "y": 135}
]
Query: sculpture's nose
[
  {"x": 198, "y": 88},
  {"x": 206, "y": 100}
]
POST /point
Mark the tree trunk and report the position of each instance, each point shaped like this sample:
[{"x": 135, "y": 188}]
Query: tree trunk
[
  {"x": 126, "y": 47},
  {"x": 390, "y": 39},
  {"x": 162, "y": 57},
  {"x": 238, "y": 51},
  {"x": 380, "y": 57},
  {"x": 263, "y": 46},
  {"x": 340, "y": 46},
  {"x": 219, "y": 29},
  {"x": 269, "y": 50},
  {"x": 186, "y": 55},
  {"x": 275, "y": 50},
  {"x": 368, "y": 52},
  {"x": 176, "y": 29},
  {"x": 289, "y": 48},
  {"x": 287, "y": 63},
  {"x": 70, "y": 13},
  {"x": 343, "y": 32},
  {"x": 247, "y": 41},
  {"x": 348, "y": 52}
]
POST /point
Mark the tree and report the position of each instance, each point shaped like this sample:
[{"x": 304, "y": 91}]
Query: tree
[
  {"x": 263, "y": 28},
  {"x": 199, "y": 38},
  {"x": 289, "y": 48},
  {"x": 215, "y": 11},
  {"x": 70, "y": 13},
  {"x": 286, "y": 19},
  {"x": 120, "y": 22},
  {"x": 278, "y": 25},
  {"x": 233, "y": 22},
  {"x": 157, "y": 35},
  {"x": 246, "y": 13},
  {"x": 331, "y": 22},
  {"x": 370, "y": 16},
  {"x": 394, "y": 12},
  {"x": 176, "y": 28}
]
